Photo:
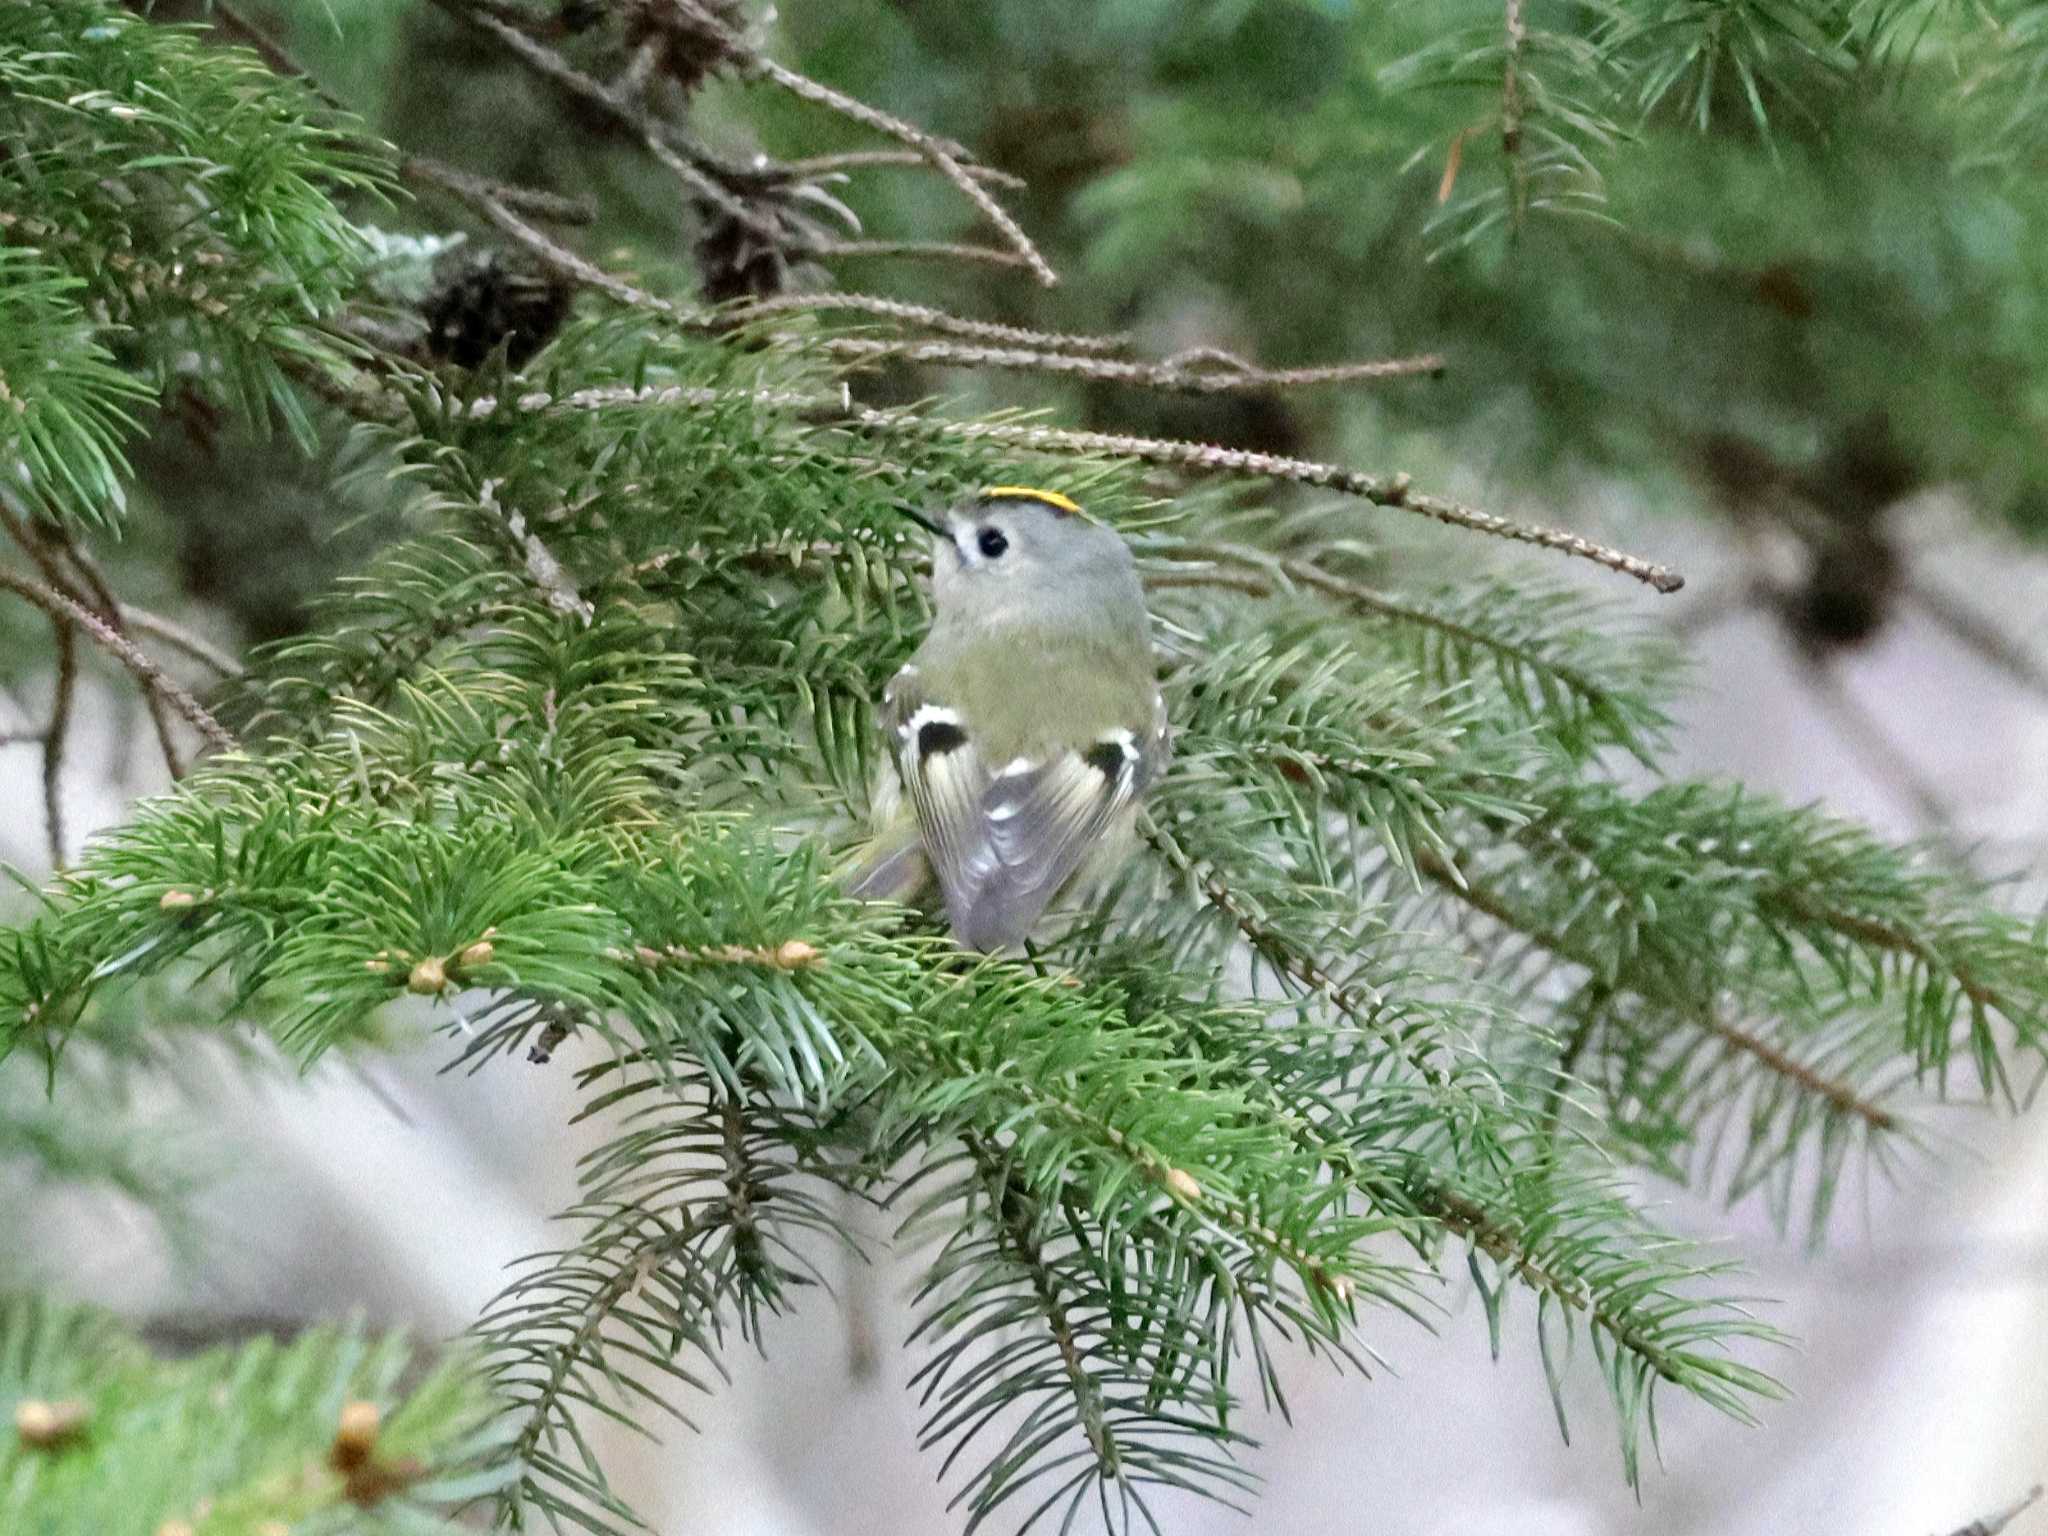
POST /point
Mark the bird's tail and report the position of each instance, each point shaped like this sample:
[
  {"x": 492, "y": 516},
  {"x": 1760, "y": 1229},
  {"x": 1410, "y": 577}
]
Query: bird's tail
[{"x": 891, "y": 868}]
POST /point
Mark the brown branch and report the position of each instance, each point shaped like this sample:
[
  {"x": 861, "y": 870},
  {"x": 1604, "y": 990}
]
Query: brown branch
[
  {"x": 557, "y": 586},
  {"x": 1511, "y": 112},
  {"x": 1229, "y": 581},
  {"x": 945, "y": 157},
  {"x": 51, "y": 550},
  {"x": 1991, "y": 1525},
  {"x": 1868, "y": 739},
  {"x": 1507, "y": 1245},
  {"x": 916, "y": 250},
  {"x": 1308, "y": 574},
  {"x": 143, "y": 621},
  {"x": 668, "y": 144},
  {"x": 487, "y": 199},
  {"x": 739, "y": 1200},
  {"x": 861, "y": 159},
  {"x": 1218, "y": 373},
  {"x": 936, "y": 320},
  {"x": 1169, "y": 375},
  {"x": 109, "y": 608},
  {"x": 54, "y": 737},
  {"x": 549, "y": 207},
  {"x": 633, "y": 1270},
  {"x": 66, "y": 610},
  {"x": 1986, "y": 639},
  {"x": 1503, "y": 1240}
]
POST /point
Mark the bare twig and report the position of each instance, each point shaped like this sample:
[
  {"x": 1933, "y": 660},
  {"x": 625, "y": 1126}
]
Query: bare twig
[
  {"x": 916, "y": 250},
  {"x": 1869, "y": 740},
  {"x": 63, "y": 566},
  {"x": 67, "y": 612},
  {"x": 155, "y": 625},
  {"x": 557, "y": 586},
  {"x": 1986, "y": 639},
  {"x": 667, "y": 143},
  {"x": 862, "y": 159},
  {"x": 110, "y": 609},
  {"x": 1511, "y": 112},
  {"x": 55, "y": 735},
  {"x": 1991, "y": 1525},
  {"x": 1204, "y": 372},
  {"x": 1168, "y": 375},
  {"x": 549, "y": 207},
  {"x": 945, "y": 157},
  {"x": 1208, "y": 576},
  {"x": 939, "y": 320},
  {"x": 487, "y": 199}
]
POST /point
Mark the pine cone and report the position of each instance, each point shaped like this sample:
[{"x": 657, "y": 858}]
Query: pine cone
[{"x": 484, "y": 301}]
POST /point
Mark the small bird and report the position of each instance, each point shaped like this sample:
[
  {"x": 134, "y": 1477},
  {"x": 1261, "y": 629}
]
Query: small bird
[{"x": 1027, "y": 725}]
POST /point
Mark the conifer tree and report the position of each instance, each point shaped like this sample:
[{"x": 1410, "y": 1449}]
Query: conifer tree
[{"x": 1421, "y": 967}]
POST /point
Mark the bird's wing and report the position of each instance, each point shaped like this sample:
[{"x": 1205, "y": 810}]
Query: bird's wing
[
  {"x": 1042, "y": 820},
  {"x": 1003, "y": 838}
]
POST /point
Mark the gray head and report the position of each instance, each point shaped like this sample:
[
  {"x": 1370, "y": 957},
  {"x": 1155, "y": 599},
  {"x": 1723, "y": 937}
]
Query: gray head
[{"x": 1011, "y": 549}]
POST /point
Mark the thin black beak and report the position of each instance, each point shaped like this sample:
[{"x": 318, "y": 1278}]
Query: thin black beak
[{"x": 920, "y": 519}]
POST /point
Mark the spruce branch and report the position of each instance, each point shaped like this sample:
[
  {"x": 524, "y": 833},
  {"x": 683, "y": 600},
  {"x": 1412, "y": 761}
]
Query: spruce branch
[
  {"x": 569, "y": 756},
  {"x": 332, "y": 1427},
  {"x": 1535, "y": 659},
  {"x": 272, "y": 52},
  {"x": 1354, "y": 1000},
  {"x": 1490, "y": 904},
  {"x": 1208, "y": 459},
  {"x": 1200, "y": 459}
]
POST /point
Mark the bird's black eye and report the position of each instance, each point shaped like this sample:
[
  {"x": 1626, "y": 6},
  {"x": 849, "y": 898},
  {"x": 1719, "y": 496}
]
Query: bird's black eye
[{"x": 991, "y": 542}]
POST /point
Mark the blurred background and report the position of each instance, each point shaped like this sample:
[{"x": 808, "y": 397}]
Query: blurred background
[{"x": 1785, "y": 327}]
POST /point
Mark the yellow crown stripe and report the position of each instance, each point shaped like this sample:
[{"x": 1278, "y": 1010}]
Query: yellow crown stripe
[{"x": 1030, "y": 493}]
